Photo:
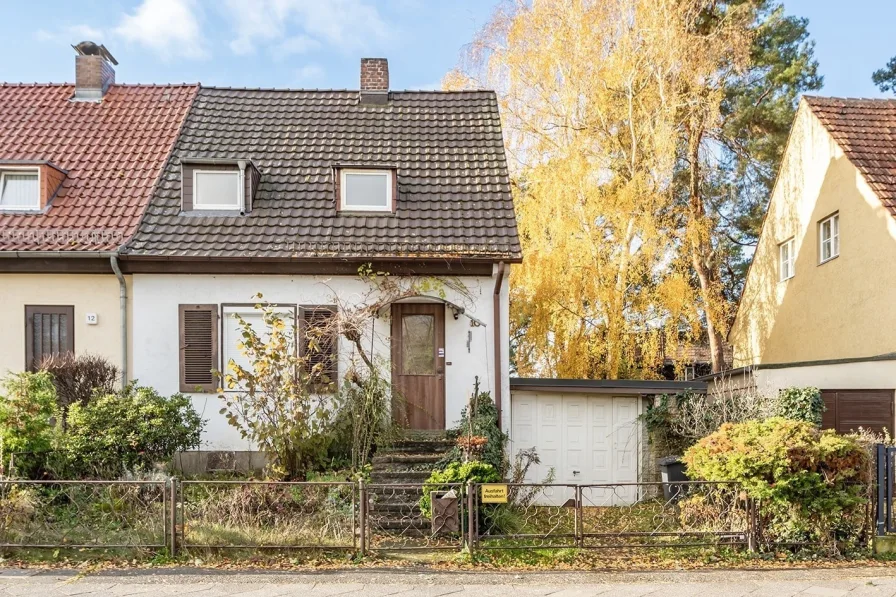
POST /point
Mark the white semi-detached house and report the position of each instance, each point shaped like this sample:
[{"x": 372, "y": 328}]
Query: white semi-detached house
[{"x": 288, "y": 193}]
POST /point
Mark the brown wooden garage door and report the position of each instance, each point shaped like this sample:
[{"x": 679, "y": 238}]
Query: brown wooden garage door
[{"x": 847, "y": 410}]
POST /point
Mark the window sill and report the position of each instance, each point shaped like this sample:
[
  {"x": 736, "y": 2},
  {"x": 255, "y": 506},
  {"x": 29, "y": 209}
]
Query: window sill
[
  {"x": 213, "y": 213},
  {"x": 366, "y": 212},
  {"x": 21, "y": 210},
  {"x": 786, "y": 279},
  {"x": 829, "y": 259}
]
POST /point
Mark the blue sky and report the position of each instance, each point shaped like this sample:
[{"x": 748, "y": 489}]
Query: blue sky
[{"x": 318, "y": 43}]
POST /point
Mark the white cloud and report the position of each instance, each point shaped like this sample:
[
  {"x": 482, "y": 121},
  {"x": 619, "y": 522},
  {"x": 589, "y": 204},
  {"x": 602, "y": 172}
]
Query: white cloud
[
  {"x": 71, "y": 34},
  {"x": 347, "y": 24},
  {"x": 309, "y": 73},
  {"x": 297, "y": 44},
  {"x": 168, "y": 27}
]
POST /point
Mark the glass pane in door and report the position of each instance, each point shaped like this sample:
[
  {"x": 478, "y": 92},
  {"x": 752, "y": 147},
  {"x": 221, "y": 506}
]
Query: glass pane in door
[{"x": 418, "y": 345}]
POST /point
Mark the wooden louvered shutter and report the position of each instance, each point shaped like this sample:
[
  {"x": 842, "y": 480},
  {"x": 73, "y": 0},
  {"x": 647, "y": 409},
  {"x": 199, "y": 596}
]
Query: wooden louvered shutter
[
  {"x": 317, "y": 327},
  {"x": 198, "y": 347}
]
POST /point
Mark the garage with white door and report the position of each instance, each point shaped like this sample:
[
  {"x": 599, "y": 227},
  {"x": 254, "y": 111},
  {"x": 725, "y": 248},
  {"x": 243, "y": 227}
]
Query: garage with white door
[{"x": 587, "y": 431}]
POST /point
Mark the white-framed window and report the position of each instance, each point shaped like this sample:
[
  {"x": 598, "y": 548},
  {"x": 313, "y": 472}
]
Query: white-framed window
[
  {"x": 365, "y": 190},
  {"x": 232, "y": 332},
  {"x": 19, "y": 189},
  {"x": 828, "y": 238},
  {"x": 217, "y": 189},
  {"x": 786, "y": 258}
]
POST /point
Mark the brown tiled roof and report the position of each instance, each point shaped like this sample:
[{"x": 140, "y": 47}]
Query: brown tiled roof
[
  {"x": 113, "y": 152},
  {"x": 866, "y": 131},
  {"x": 453, "y": 188}
]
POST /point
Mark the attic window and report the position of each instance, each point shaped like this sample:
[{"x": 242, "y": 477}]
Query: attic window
[
  {"x": 19, "y": 189},
  {"x": 217, "y": 189},
  {"x": 829, "y": 238},
  {"x": 785, "y": 260},
  {"x": 365, "y": 190}
]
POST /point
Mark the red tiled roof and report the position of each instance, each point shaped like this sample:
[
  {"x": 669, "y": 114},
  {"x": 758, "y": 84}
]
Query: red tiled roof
[
  {"x": 866, "y": 131},
  {"x": 113, "y": 152}
]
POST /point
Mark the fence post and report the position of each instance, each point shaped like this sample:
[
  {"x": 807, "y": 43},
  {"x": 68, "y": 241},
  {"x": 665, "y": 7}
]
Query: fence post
[
  {"x": 172, "y": 515},
  {"x": 579, "y": 523},
  {"x": 751, "y": 525},
  {"x": 362, "y": 517},
  {"x": 471, "y": 516},
  {"x": 881, "y": 489}
]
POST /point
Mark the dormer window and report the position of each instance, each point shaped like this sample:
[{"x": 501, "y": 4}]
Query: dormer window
[
  {"x": 222, "y": 185},
  {"x": 19, "y": 189},
  {"x": 217, "y": 189},
  {"x": 366, "y": 190}
]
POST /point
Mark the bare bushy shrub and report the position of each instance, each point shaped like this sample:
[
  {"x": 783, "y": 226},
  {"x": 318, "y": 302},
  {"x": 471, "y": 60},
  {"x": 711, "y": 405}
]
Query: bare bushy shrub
[
  {"x": 78, "y": 378},
  {"x": 730, "y": 401},
  {"x": 518, "y": 470}
]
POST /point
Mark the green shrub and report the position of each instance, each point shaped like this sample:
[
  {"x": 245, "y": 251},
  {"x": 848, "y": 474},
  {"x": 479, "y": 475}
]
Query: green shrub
[
  {"x": 659, "y": 421},
  {"x": 801, "y": 404},
  {"x": 810, "y": 485},
  {"x": 456, "y": 472},
  {"x": 484, "y": 421},
  {"x": 27, "y": 414},
  {"x": 132, "y": 430},
  {"x": 363, "y": 421}
]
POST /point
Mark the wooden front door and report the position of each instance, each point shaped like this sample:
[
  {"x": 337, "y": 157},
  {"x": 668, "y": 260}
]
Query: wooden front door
[{"x": 418, "y": 364}]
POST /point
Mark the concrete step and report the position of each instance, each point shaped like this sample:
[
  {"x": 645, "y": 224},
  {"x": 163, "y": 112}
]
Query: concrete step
[
  {"x": 394, "y": 507},
  {"x": 398, "y": 477},
  {"x": 400, "y": 524},
  {"x": 408, "y": 459},
  {"x": 416, "y": 446}
]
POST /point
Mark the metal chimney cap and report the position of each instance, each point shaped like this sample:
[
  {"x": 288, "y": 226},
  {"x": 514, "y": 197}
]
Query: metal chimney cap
[{"x": 89, "y": 48}]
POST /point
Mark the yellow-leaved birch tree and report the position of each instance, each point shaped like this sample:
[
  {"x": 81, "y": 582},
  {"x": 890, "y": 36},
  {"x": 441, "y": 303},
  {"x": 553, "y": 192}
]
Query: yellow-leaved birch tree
[{"x": 596, "y": 97}]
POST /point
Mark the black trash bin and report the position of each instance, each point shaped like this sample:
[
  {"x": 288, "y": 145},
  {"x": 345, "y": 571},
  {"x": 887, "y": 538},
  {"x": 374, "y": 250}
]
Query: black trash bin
[{"x": 672, "y": 473}]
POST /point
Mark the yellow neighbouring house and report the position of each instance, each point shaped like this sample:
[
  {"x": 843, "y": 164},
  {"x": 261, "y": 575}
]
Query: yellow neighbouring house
[
  {"x": 78, "y": 164},
  {"x": 817, "y": 308}
]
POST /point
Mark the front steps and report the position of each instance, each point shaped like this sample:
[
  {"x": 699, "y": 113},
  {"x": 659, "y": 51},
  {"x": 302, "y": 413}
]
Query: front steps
[{"x": 409, "y": 462}]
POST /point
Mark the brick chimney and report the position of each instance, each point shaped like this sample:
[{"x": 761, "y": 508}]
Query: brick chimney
[
  {"x": 374, "y": 80},
  {"x": 93, "y": 71}
]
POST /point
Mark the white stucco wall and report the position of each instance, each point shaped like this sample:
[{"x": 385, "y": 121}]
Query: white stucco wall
[
  {"x": 866, "y": 375},
  {"x": 155, "y": 333}
]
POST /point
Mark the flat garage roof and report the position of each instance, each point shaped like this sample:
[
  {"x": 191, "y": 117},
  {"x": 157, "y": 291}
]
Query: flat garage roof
[{"x": 605, "y": 386}]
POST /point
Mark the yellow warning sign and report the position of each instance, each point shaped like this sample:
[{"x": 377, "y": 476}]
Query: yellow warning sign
[{"x": 494, "y": 493}]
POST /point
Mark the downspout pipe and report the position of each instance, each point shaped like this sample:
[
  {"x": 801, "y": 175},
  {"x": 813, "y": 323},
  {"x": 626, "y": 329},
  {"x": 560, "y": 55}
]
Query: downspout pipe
[
  {"x": 496, "y": 306},
  {"x": 123, "y": 308}
]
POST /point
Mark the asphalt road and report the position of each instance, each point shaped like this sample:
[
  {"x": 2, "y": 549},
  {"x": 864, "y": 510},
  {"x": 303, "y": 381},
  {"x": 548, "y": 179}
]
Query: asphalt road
[{"x": 380, "y": 583}]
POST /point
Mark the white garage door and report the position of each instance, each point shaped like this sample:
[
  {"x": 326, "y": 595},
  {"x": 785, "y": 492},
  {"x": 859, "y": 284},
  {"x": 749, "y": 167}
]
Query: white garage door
[{"x": 585, "y": 438}]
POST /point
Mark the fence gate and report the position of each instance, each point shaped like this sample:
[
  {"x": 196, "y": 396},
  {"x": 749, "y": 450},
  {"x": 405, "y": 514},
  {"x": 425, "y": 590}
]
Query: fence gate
[{"x": 886, "y": 470}]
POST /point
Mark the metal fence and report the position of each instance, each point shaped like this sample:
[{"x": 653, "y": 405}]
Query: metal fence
[
  {"x": 193, "y": 516},
  {"x": 265, "y": 515},
  {"x": 132, "y": 515},
  {"x": 393, "y": 516},
  {"x": 615, "y": 516}
]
